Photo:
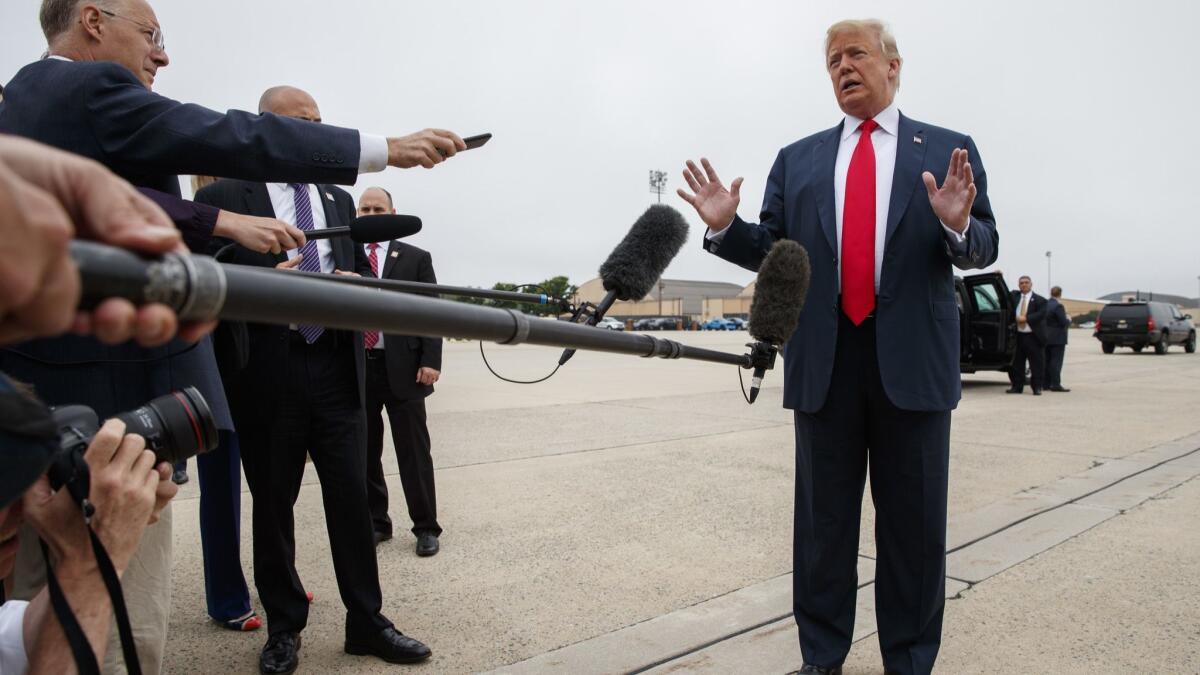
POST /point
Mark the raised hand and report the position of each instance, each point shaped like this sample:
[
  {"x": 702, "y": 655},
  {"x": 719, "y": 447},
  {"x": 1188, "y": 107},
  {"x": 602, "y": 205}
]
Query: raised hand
[
  {"x": 952, "y": 203},
  {"x": 715, "y": 205}
]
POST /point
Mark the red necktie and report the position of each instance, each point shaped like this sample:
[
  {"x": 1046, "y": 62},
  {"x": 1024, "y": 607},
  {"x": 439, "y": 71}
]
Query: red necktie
[
  {"x": 371, "y": 337},
  {"x": 858, "y": 230}
]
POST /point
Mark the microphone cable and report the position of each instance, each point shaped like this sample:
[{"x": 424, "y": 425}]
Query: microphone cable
[{"x": 511, "y": 381}]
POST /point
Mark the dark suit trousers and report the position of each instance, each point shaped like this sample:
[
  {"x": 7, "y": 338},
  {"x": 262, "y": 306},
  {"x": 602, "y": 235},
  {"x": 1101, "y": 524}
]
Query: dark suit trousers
[
  {"x": 410, "y": 435},
  {"x": 1030, "y": 349},
  {"x": 906, "y": 453},
  {"x": 1054, "y": 364},
  {"x": 220, "y": 529},
  {"x": 318, "y": 413}
]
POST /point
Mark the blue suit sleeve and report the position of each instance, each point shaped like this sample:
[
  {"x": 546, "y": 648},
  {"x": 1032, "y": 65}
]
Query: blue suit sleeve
[
  {"x": 195, "y": 221},
  {"x": 746, "y": 244},
  {"x": 137, "y": 127},
  {"x": 982, "y": 241}
]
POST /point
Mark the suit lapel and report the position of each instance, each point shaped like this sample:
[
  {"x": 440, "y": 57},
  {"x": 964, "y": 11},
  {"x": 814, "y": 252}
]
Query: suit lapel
[
  {"x": 824, "y": 159},
  {"x": 258, "y": 203},
  {"x": 340, "y": 245},
  {"x": 393, "y": 256},
  {"x": 910, "y": 158}
]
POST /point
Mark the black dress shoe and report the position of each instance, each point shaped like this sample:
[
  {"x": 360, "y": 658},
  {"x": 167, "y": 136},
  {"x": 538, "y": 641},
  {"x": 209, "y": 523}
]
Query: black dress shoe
[
  {"x": 1037, "y": 392},
  {"x": 179, "y": 476},
  {"x": 1013, "y": 390},
  {"x": 427, "y": 544},
  {"x": 1060, "y": 389},
  {"x": 381, "y": 537},
  {"x": 281, "y": 656},
  {"x": 390, "y": 645},
  {"x": 817, "y": 670}
]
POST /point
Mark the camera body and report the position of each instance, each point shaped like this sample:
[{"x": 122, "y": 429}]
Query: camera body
[{"x": 176, "y": 426}]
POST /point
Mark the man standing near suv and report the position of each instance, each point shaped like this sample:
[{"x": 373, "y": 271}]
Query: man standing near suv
[
  {"x": 1031, "y": 338},
  {"x": 1057, "y": 323}
]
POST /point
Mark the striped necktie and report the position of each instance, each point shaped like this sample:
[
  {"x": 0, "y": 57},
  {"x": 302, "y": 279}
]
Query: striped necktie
[{"x": 312, "y": 257}]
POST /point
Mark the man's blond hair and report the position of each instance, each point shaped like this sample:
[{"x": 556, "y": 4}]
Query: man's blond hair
[{"x": 887, "y": 41}]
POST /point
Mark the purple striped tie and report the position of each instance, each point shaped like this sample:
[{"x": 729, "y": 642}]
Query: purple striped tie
[{"x": 312, "y": 257}]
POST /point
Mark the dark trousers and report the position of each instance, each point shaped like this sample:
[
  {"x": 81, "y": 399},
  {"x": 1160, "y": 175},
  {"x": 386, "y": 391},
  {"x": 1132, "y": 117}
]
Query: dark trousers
[
  {"x": 317, "y": 412},
  {"x": 1054, "y": 364},
  {"x": 220, "y": 529},
  {"x": 1030, "y": 349},
  {"x": 410, "y": 436},
  {"x": 857, "y": 433}
]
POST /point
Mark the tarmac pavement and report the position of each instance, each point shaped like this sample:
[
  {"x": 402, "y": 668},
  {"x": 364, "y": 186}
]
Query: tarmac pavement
[{"x": 634, "y": 515}]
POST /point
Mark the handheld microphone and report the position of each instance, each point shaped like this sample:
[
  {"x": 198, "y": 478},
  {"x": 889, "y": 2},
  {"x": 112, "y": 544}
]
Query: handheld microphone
[
  {"x": 635, "y": 265},
  {"x": 779, "y": 296},
  {"x": 372, "y": 229}
]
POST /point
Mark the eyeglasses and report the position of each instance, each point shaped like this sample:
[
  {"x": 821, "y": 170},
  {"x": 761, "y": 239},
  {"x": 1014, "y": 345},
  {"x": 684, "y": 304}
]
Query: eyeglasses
[{"x": 152, "y": 33}]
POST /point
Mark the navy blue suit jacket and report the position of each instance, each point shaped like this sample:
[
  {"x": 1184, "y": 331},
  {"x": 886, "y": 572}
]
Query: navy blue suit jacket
[
  {"x": 1057, "y": 323},
  {"x": 100, "y": 110},
  {"x": 917, "y": 320}
]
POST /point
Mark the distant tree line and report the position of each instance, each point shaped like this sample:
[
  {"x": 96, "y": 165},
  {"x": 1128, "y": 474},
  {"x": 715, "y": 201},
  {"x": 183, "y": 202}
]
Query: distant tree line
[{"x": 554, "y": 287}]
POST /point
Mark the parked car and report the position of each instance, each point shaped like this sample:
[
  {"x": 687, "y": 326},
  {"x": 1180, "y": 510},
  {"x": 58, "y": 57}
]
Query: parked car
[
  {"x": 611, "y": 324},
  {"x": 718, "y": 323},
  {"x": 987, "y": 323},
  {"x": 655, "y": 323},
  {"x": 1139, "y": 324},
  {"x": 740, "y": 324}
]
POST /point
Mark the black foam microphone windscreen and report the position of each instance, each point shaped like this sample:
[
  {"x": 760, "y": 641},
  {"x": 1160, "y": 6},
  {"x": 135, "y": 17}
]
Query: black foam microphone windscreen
[
  {"x": 779, "y": 293},
  {"x": 371, "y": 229},
  {"x": 635, "y": 265}
]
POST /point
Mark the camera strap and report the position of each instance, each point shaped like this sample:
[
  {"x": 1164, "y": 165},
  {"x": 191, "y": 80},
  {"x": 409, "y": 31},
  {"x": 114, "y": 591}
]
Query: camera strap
[{"x": 85, "y": 658}]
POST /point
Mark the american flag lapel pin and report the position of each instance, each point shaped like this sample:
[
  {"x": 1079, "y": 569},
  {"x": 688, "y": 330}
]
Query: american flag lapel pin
[
  {"x": 329, "y": 196},
  {"x": 917, "y": 140},
  {"x": 395, "y": 254}
]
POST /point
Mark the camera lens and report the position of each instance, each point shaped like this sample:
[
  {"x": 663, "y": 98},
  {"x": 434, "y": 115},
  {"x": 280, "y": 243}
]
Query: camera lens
[{"x": 176, "y": 426}]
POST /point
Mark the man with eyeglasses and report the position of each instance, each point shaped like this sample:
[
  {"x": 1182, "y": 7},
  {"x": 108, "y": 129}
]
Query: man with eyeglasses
[{"x": 92, "y": 96}]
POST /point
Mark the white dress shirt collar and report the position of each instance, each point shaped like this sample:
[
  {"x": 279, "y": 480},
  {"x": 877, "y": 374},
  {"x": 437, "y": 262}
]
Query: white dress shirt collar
[{"x": 888, "y": 120}]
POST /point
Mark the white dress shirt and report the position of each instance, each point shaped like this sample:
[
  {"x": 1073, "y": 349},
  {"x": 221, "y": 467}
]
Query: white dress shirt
[
  {"x": 13, "y": 660},
  {"x": 884, "y": 142},
  {"x": 381, "y": 255},
  {"x": 1026, "y": 298},
  {"x": 283, "y": 200},
  {"x": 372, "y": 149}
]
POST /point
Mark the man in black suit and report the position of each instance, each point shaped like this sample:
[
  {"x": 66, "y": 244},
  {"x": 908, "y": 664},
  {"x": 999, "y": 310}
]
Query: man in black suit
[
  {"x": 302, "y": 391},
  {"x": 401, "y": 371},
  {"x": 1031, "y": 338},
  {"x": 1057, "y": 325}
]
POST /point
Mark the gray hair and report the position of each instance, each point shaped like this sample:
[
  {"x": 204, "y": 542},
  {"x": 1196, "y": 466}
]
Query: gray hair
[
  {"x": 887, "y": 41},
  {"x": 57, "y": 16}
]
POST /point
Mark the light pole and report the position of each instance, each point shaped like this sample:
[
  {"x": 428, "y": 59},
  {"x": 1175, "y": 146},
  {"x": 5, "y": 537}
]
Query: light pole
[
  {"x": 658, "y": 183},
  {"x": 1049, "y": 280}
]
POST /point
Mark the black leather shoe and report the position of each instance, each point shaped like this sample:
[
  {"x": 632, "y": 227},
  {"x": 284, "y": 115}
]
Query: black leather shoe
[
  {"x": 817, "y": 670},
  {"x": 1037, "y": 392},
  {"x": 1060, "y": 389},
  {"x": 390, "y": 645},
  {"x": 281, "y": 656},
  {"x": 381, "y": 537},
  {"x": 1013, "y": 390},
  {"x": 179, "y": 477},
  {"x": 427, "y": 544}
]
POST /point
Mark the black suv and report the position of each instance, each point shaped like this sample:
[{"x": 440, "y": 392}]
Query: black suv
[
  {"x": 987, "y": 322},
  {"x": 1138, "y": 324}
]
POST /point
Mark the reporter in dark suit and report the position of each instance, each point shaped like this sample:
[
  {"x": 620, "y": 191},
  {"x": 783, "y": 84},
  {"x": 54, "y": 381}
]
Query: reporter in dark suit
[
  {"x": 1057, "y": 325},
  {"x": 1031, "y": 338},
  {"x": 401, "y": 371},
  {"x": 303, "y": 390},
  {"x": 872, "y": 369}
]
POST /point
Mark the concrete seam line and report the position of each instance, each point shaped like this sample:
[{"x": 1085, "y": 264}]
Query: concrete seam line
[
  {"x": 1073, "y": 500},
  {"x": 706, "y": 645}
]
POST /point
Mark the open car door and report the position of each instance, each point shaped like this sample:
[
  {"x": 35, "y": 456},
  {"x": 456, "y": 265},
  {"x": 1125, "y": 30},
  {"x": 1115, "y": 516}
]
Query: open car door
[{"x": 990, "y": 328}]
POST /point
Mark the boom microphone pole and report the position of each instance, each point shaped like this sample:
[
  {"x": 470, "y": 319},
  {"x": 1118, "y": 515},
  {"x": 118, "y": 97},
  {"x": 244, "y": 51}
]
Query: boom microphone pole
[
  {"x": 372, "y": 229},
  {"x": 199, "y": 288},
  {"x": 563, "y": 304}
]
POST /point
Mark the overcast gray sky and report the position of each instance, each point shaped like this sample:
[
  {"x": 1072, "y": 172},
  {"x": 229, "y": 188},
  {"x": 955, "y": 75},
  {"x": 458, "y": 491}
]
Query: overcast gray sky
[{"x": 1082, "y": 111}]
